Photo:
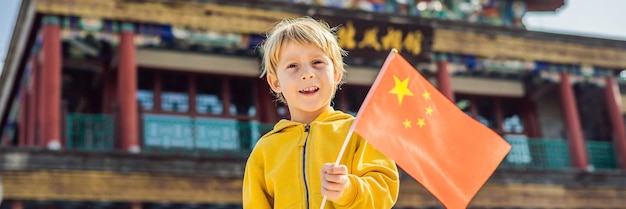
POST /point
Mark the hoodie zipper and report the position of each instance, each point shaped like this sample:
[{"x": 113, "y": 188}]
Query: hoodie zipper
[{"x": 306, "y": 142}]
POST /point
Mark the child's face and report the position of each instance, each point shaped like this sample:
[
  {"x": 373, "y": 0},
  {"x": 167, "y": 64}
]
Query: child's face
[{"x": 306, "y": 77}]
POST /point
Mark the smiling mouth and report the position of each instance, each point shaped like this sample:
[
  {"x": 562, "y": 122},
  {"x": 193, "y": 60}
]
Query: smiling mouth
[{"x": 309, "y": 90}]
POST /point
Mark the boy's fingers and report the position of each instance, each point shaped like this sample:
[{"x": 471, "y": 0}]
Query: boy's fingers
[
  {"x": 323, "y": 171},
  {"x": 336, "y": 178},
  {"x": 330, "y": 186},
  {"x": 338, "y": 169},
  {"x": 327, "y": 168}
]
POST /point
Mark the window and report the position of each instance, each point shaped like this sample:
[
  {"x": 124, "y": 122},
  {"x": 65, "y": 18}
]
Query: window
[
  {"x": 503, "y": 115},
  {"x": 200, "y": 111},
  {"x": 209, "y": 95},
  {"x": 175, "y": 92},
  {"x": 242, "y": 97},
  {"x": 512, "y": 119},
  {"x": 216, "y": 96},
  {"x": 145, "y": 92}
]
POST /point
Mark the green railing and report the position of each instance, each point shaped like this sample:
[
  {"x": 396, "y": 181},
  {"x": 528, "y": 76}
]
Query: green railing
[
  {"x": 90, "y": 132},
  {"x": 169, "y": 134},
  {"x": 201, "y": 136},
  {"x": 213, "y": 137},
  {"x": 601, "y": 154},
  {"x": 554, "y": 154},
  {"x": 536, "y": 154}
]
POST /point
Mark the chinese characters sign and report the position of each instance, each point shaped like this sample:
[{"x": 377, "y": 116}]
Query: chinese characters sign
[{"x": 372, "y": 40}]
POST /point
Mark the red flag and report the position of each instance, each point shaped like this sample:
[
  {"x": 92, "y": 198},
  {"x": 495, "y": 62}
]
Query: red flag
[{"x": 410, "y": 121}]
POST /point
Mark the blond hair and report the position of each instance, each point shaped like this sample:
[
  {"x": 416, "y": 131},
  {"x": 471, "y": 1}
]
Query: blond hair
[{"x": 304, "y": 30}]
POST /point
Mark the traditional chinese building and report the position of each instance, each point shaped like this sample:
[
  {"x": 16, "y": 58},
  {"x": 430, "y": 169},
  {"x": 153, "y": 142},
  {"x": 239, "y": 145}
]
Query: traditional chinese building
[{"x": 155, "y": 104}]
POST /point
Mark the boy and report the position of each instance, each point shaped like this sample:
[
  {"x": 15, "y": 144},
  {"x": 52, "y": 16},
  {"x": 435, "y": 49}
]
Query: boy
[{"x": 289, "y": 167}]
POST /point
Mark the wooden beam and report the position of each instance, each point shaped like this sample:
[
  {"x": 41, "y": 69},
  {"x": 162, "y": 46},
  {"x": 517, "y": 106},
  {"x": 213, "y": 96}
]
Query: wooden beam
[
  {"x": 150, "y": 187},
  {"x": 495, "y": 46},
  {"x": 113, "y": 186},
  {"x": 183, "y": 14}
]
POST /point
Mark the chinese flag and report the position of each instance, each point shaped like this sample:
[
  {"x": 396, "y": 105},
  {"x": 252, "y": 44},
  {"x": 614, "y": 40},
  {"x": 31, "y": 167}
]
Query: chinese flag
[{"x": 451, "y": 154}]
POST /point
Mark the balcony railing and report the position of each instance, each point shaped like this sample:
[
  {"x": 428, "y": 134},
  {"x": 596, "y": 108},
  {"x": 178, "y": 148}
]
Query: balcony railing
[
  {"x": 212, "y": 137},
  {"x": 536, "y": 154},
  {"x": 90, "y": 132},
  {"x": 601, "y": 154},
  {"x": 547, "y": 154},
  {"x": 201, "y": 136},
  {"x": 169, "y": 135}
]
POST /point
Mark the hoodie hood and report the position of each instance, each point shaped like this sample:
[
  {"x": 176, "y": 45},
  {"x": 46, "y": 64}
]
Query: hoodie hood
[{"x": 329, "y": 115}]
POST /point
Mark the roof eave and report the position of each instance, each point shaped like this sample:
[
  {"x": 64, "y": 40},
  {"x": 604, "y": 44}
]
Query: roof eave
[{"x": 13, "y": 61}]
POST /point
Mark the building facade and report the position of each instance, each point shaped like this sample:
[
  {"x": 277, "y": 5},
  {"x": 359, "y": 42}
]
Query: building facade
[{"x": 157, "y": 103}]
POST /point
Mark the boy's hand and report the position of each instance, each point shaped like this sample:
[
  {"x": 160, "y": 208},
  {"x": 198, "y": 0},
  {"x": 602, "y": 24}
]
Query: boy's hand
[{"x": 334, "y": 180}]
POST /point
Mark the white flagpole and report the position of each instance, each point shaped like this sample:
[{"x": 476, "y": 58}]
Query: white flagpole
[
  {"x": 352, "y": 127},
  {"x": 343, "y": 149}
]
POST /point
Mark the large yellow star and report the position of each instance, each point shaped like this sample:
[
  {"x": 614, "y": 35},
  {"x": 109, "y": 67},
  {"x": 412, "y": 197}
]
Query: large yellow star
[
  {"x": 421, "y": 122},
  {"x": 407, "y": 123},
  {"x": 401, "y": 88}
]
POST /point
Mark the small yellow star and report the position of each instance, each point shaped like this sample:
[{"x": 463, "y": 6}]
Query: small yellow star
[
  {"x": 401, "y": 88},
  {"x": 407, "y": 123},
  {"x": 426, "y": 95},
  {"x": 421, "y": 122},
  {"x": 429, "y": 110}
]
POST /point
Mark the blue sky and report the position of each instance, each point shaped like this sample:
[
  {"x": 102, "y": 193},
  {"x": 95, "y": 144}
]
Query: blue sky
[
  {"x": 8, "y": 13},
  {"x": 595, "y": 18}
]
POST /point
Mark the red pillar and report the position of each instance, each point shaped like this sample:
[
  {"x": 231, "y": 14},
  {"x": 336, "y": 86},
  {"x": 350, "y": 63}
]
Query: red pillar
[
  {"x": 576, "y": 143},
  {"x": 33, "y": 85},
  {"x": 22, "y": 123},
  {"x": 40, "y": 103},
  {"x": 266, "y": 104},
  {"x": 127, "y": 91},
  {"x": 613, "y": 102},
  {"x": 443, "y": 80},
  {"x": 51, "y": 84}
]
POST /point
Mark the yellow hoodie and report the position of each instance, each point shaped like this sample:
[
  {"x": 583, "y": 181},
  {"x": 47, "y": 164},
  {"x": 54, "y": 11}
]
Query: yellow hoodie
[{"x": 283, "y": 170}]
